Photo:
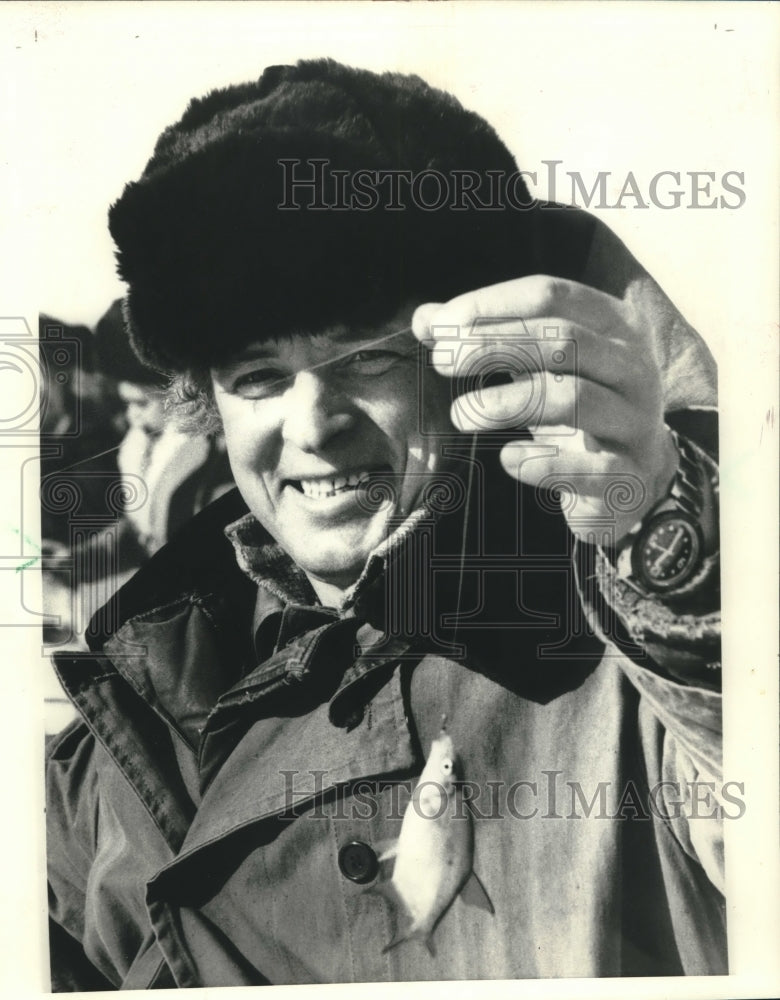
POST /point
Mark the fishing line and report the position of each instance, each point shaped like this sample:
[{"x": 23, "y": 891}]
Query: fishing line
[
  {"x": 90, "y": 458},
  {"x": 464, "y": 531},
  {"x": 471, "y": 462},
  {"x": 321, "y": 364}
]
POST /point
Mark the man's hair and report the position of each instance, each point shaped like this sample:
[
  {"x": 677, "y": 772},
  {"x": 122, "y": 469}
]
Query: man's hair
[
  {"x": 212, "y": 262},
  {"x": 190, "y": 403}
]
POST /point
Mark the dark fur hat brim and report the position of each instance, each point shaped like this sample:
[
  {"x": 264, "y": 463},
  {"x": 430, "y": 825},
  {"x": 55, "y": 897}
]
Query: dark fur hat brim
[
  {"x": 213, "y": 263},
  {"x": 114, "y": 355}
]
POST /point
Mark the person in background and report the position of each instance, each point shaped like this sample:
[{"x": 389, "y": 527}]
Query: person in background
[
  {"x": 139, "y": 478},
  {"x": 81, "y": 424},
  {"x": 173, "y": 473}
]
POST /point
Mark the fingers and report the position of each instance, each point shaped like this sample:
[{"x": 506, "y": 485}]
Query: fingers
[
  {"x": 574, "y": 366},
  {"x": 598, "y": 488},
  {"x": 568, "y": 350},
  {"x": 422, "y": 317},
  {"x": 572, "y": 328},
  {"x": 516, "y": 348},
  {"x": 558, "y": 457},
  {"x": 544, "y": 400},
  {"x": 531, "y": 297}
]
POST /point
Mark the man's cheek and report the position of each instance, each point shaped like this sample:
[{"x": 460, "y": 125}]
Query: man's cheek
[{"x": 242, "y": 441}]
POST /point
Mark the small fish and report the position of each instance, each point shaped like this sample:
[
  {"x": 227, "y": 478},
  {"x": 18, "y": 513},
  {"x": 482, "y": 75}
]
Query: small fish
[{"x": 434, "y": 852}]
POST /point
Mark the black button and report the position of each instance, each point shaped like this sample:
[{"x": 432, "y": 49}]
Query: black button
[{"x": 358, "y": 862}]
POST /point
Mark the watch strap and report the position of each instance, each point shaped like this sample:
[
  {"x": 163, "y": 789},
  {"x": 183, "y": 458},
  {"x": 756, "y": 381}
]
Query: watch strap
[
  {"x": 687, "y": 489},
  {"x": 685, "y": 498}
]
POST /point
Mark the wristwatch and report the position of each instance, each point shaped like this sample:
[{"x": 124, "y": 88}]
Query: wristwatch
[{"x": 665, "y": 550}]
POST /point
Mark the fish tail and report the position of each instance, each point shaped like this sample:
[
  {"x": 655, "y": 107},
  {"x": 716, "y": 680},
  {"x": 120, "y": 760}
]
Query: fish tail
[
  {"x": 398, "y": 939},
  {"x": 386, "y": 890},
  {"x": 419, "y": 935}
]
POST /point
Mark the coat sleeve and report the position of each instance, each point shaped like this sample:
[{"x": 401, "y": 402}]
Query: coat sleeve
[
  {"x": 71, "y": 833},
  {"x": 670, "y": 652}
]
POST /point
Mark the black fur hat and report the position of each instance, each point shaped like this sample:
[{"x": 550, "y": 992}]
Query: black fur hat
[
  {"x": 113, "y": 354},
  {"x": 213, "y": 263}
]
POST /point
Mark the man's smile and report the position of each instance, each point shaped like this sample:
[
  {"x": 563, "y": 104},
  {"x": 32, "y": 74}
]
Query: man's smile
[
  {"x": 332, "y": 485},
  {"x": 321, "y": 487},
  {"x": 325, "y": 440}
]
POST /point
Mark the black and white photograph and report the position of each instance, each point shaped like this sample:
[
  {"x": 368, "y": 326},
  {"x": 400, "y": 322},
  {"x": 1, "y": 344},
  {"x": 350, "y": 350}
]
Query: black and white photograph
[{"x": 388, "y": 422}]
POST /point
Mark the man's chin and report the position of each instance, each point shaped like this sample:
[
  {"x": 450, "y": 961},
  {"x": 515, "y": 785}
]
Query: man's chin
[
  {"x": 339, "y": 566},
  {"x": 333, "y": 541}
]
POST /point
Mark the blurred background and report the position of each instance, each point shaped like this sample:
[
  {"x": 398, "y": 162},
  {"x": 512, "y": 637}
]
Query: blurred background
[{"x": 117, "y": 477}]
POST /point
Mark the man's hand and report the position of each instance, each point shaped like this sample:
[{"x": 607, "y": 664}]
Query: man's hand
[{"x": 583, "y": 379}]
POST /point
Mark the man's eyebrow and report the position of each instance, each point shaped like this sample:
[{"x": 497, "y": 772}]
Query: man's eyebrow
[
  {"x": 351, "y": 342},
  {"x": 248, "y": 354}
]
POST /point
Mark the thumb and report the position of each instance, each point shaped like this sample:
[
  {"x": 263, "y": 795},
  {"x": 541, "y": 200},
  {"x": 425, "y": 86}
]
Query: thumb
[{"x": 423, "y": 318}]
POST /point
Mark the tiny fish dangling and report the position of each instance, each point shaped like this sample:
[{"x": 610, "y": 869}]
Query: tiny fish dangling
[{"x": 434, "y": 853}]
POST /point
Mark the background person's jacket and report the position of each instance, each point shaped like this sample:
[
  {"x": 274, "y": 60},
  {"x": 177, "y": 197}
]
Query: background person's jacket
[{"x": 199, "y": 807}]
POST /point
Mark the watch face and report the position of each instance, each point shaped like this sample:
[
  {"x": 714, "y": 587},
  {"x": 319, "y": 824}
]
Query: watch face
[{"x": 666, "y": 554}]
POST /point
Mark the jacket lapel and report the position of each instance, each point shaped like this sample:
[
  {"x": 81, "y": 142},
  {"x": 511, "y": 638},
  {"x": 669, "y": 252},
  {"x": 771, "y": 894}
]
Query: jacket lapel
[
  {"x": 283, "y": 767},
  {"x": 135, "y": 737}
]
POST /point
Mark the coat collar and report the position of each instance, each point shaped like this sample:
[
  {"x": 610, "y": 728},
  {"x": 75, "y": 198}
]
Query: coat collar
[
  {"x": 197, "y": 564},
  {"x": 180, "y": 630}
]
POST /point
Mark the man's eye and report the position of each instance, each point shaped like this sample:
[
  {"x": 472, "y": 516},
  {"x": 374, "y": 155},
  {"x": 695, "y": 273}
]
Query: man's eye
[
  {"x": 259, "y": 382},
  {"x": 372, "y": 362}
]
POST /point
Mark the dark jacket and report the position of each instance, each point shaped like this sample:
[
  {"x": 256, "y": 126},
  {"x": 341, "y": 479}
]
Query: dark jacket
[{"x": 198, "y": 808}]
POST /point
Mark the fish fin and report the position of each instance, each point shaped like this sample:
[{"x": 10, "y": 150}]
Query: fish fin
[
  {"x": 473, "y": 893},
  {"x": 386, "y": 849},
  {"x": 430, "y": 947}
]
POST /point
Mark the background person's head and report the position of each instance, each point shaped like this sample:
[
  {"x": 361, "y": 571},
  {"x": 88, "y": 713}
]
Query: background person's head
[{"x": 141, "y": 389}]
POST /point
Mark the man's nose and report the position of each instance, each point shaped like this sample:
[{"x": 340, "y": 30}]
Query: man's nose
[{"x": 315, "y": 412}]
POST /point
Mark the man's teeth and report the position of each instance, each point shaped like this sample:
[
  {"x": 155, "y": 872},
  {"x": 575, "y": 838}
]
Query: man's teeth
[{"x": 316, "y": 489}]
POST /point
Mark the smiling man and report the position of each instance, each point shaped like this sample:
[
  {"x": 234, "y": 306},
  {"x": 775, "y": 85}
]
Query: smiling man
[
  {"x": 434, "y": 693},
  {"x": 311, "y": 423}
]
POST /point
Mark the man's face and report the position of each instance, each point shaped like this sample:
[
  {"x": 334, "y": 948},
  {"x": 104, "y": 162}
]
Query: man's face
[{"x": 307, "y": 419}]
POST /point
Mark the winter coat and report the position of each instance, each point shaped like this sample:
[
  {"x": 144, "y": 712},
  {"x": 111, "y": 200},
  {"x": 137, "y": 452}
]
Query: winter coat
[{"x": 242, "y": 757}]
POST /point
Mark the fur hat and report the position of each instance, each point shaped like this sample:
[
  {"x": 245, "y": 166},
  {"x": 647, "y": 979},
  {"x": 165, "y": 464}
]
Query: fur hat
[
  {"x": 114, "y": 356},
  {"x": 213, "y": 263}
]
